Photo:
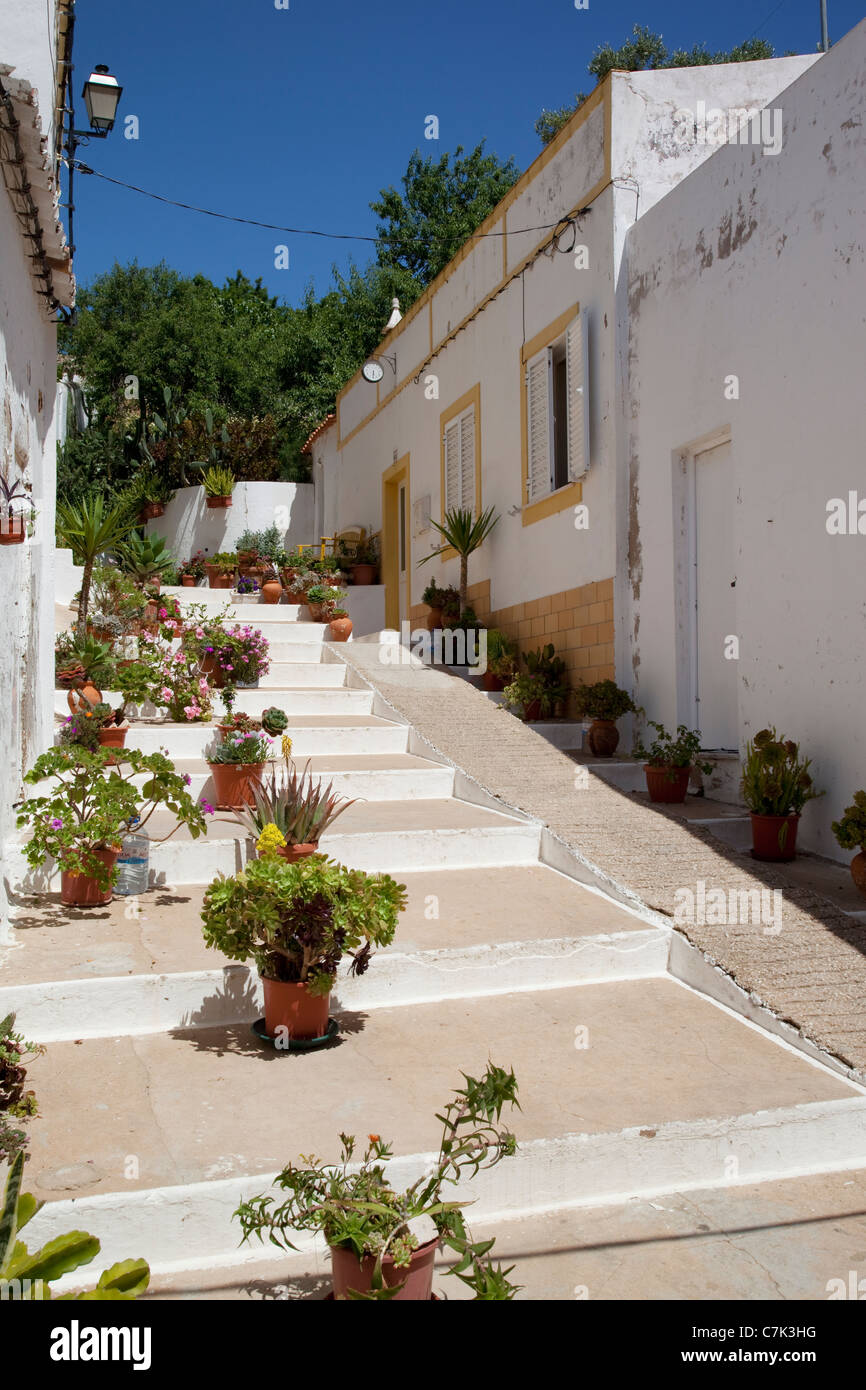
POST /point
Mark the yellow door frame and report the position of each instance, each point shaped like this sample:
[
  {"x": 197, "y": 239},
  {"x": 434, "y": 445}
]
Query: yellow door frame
[{"x": 391, "y": 479}]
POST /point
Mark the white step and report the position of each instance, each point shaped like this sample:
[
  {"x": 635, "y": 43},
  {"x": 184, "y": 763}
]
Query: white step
[
  {"x": 309, "y": 695},
  {"x": 293, "y": 675},
  {"x": 418, "y": 780},
  {"x": 312, "y": 736}
]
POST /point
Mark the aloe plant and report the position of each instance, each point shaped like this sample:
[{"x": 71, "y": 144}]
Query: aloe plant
[
  {"x": 463, "y": 532},
  {"x": 145, "y": 558},
  {"x": 302, "y": 809},
  {"x": 28, "y": 1276}
]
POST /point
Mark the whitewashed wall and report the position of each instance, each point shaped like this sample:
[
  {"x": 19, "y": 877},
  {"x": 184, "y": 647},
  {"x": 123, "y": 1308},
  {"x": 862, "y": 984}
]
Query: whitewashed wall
[
  {"x": 189, "y": 525},
  {"x": 754, "y": 266}
]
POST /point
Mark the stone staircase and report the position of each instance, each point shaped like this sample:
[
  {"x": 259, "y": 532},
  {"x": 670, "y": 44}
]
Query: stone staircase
[{"x": 161, "y": 1111}]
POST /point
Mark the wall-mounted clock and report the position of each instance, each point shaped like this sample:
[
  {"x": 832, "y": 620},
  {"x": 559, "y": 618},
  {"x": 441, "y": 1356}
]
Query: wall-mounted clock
[{"x": 372, "y": 371}]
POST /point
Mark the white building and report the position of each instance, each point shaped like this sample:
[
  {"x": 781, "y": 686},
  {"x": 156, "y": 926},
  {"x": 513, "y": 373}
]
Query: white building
[
  {"x": 678, "y": 262},
  {"x": 35, "y": 278}
]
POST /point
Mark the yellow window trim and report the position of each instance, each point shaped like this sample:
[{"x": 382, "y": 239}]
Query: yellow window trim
[
  {"x": 470, "y": 397},
  {"x": 572, "y": 493},
  {"x": 392, "y": 476}
]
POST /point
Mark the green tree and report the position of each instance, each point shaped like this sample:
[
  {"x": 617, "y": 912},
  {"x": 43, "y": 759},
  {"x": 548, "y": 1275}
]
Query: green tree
[
  {"x": 442, "y": 203},
  {"x": 645, "y": 50}
]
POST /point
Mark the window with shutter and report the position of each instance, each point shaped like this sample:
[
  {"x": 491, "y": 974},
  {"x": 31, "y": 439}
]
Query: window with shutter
[
  {"x": 539, "y": 417},
  {"x": 460, "y": 439},
  {"x": 467, "y": 460},
  {"x": 578, "y": 401},
  {"x": 452, "y": 466}
]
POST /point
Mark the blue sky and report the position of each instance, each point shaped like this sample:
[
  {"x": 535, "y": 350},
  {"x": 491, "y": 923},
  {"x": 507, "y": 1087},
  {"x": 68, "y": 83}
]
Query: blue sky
[{"x": 300, "y": 116}]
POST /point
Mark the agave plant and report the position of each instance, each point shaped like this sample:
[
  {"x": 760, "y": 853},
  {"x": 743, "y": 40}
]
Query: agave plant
[
  {"x": 464, "y": 533},
  {"x": 301, "y": 809},
  {"x": 145, "y": 558},
  {"x": 27, "y": 1276}
]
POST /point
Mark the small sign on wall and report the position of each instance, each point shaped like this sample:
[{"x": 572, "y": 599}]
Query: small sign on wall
[{"x": 421, "y": 515}]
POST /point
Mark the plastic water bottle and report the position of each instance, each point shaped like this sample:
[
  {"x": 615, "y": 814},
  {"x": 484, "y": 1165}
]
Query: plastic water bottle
[{"x": 133, "y": 866}]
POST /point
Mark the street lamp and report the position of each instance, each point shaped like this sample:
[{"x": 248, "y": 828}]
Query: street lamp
[{"x": 101, "y": 97}]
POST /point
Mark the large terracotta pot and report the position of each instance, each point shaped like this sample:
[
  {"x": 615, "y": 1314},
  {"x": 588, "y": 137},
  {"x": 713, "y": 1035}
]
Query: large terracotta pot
[
  {"x": 218, "y": 579},
  {"x": 114, "y": 736},
  {"x": 234, "y": 782},
  {"x": 667, "y": 784},
  {"x": 364, "y": 574},
  {"x": 292, "y": 1007},
  {"x": 80, "y": 890},
  {"x": 490, "y": 681},
  {"x": 272, "y": 591},
  {"x": 434, "y": 619},
  {"x": 188, "y": 581},
  {"x": 774, "y": 838},
  {"x": 348, "y": 1272},
  {"x": 340, "y": 629},
  {"x": 216, "y": 503},
  {"x": 295, "y": 852},
  {"x": 603, "y": 738},
  {"x": 858, "y": 871},
  {"x": 315, "y": 611},
  {"x": 12, "y": 530},
  {"x": 83, "y": 694}
]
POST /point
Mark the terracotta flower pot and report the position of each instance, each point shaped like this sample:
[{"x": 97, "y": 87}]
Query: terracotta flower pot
[
  {"x": 188, "y": 581},
  {"x": 349, "y": 1272},
  {"x": 80, "y": 890},
  {"x": 434, "y": 619},
  {"x": 219, "y": 579},
  {"x": 216, "y": 503},
  {"x": 234, "y": 782},
  {"x": 272, "y": 591},
  {"x": 213, "y": 672},
  {"x": 114, "y": 736},
  {"x": 151, "y": 510},
  {"x": 295, "y": 852},
  {"x": 532, "y": 711},
  {"x": 490, "y": 681},
  {"x": 774, "y": 838},
  {"x": 858, "y": 871},
  {"x": 83, "y": 694},
  {"x": 364, "y": 574},
  {"x": 315, "y": 611},
  {"x": 12, "y": 530},
  {"x": 340, "y": 629},
  {"x": 603, "y": 738},
  {"x": 667, "y": 784},
  {"x": 292, "y": 1007}
]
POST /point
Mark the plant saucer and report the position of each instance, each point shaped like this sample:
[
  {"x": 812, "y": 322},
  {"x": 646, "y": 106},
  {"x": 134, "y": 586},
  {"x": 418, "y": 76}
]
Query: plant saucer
[{"x": 295, "y": 1044}]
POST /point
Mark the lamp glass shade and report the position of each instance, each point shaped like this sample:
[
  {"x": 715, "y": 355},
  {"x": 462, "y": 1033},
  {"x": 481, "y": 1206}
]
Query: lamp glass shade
[{"x": 101, "y": 97}]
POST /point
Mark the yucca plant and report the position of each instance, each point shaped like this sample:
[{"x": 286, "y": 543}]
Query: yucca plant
[
  {"x": 89, "y": 530},
  {"x": 464, "y": 533},
  {"x": 301, "y": 809},
  {"x": 27, "y": 1277}
]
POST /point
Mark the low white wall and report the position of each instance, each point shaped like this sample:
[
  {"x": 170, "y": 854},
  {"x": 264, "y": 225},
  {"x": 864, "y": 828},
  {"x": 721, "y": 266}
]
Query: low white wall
[
  {"x": 365, "y": 605},
  {"x": 189, "y": 525}
]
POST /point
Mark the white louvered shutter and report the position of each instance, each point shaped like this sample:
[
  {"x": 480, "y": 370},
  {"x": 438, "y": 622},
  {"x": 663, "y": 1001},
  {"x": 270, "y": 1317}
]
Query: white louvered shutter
[
  {"x": 452, "y": 466},
  {"x": 577, "y": 389},
  {"x": 467, "y": 460},
  {"x": 539, "y": 415}
]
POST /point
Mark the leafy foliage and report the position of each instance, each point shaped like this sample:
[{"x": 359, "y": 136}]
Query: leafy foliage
[
  {"x": 297, "y": 921},
  {"x": 645, "y": 50},
  {"x": 776, "y": 782},
  {"x": 603, "y": 700},
  {"x": 850, "y": 831},
  {"x": 681, "y": 749},
  {"x": 89, "y": 530},
  {"x": 358, "y": 1209},
  {"x": 35, "y": 1272},
  {"x": 463, "y": 533},
  {"x": 15, "y": 1101}
]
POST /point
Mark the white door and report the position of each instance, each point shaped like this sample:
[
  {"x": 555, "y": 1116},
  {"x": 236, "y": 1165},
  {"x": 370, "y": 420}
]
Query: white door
[
  {"x": 716, "y": 678},
  {"x": 403, "y": 551}
]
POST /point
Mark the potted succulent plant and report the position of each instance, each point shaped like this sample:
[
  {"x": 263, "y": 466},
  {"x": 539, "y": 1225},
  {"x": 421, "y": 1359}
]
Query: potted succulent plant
[
  {"x": 776, "y": 784},
  {"x": 850, "y": 833},
  {"x": 669, "y": 760},
  {"x": 604, "y": 703},
  {"x": 296, "y": 922},
  {"x": 193, "y": 570},
  {"x": 383, "y": 1242},
  {"x": 220, "y": 570},
  {"x": 339, "y": 624},
  {"x": 501, "y": 660},
  {"x": 442, "y": 603},
  {"x": 13, "y": 527},
  {"x": 291, "y": 564},
  {"x": 219, "y": 484},
  {"x": 289, "y": 817},
  {"x": 319, "y": 598},
  {"x": 525, "y": 694},
  {"x": 236, "y": 765},
  {"x": 274, "y": 721},
  {"x": 82, "y": 665},
  {"x": 232, "y": 723},
  {"x": 81, "y": 821},
  {"x": 363, "y": 562}
]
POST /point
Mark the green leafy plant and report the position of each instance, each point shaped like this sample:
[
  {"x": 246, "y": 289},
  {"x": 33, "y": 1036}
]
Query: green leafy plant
[
  {"x": 465, "y": 534},
  {"x": 603, "y": 700},
  {"x": 80, "y": 656},
  {"x": 326, "y": 597},
  {"x": 218, "y": 481},
  {"x": 146, "y": 558},
  {"x": 850, "y": 831},
  {"x": 357, "y": 1209},
  {"x": 246, "y": 748},
  {"x": 264, "y": 545},
  {"x": 15, "y": 1101},
  {"x": 297, "y": 921},
  {"x": 12, "y": 494},
  {"x": 30, "y": 1275},
  {"x": 545, "y": 666},
  {"x": 89, "y": 530},
  {"x": 681, "y": 749},
  {"x": 83, "y": 728},
  {"x": 91, "y": 802},
  {"x": 776, "y": 781},
  {"x": 195, "y": 565},
  {"x": 274, "y": 721},
  {"x": 116, "y": 593},
  {"x": 301, "y": 808},
  {"x": 522, "y": 693},
  {"x": 225, "y": 561}
]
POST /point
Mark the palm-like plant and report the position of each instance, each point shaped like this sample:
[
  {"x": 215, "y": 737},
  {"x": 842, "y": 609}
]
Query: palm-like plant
[
  {"x": 89, "y": 530},
  {"x": 464, "y": 533}
]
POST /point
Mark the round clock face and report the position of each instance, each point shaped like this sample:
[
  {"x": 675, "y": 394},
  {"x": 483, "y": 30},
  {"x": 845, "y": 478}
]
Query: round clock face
[{"x": 372, "y": 371}]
